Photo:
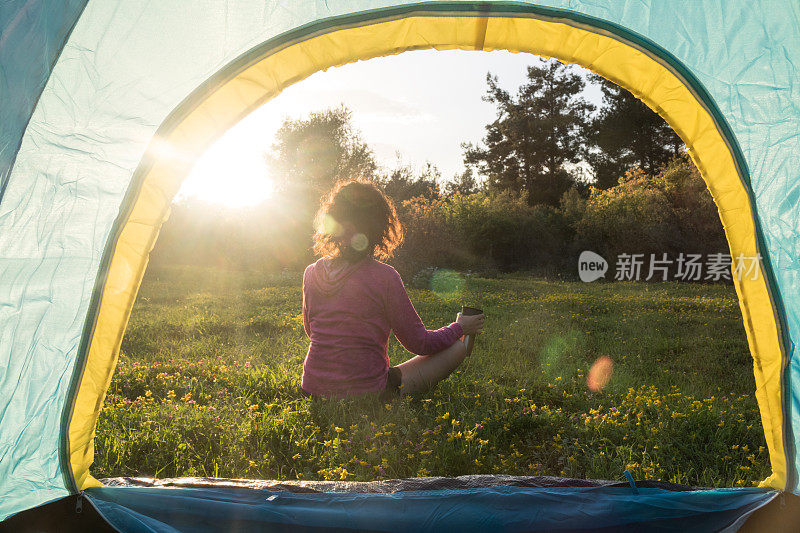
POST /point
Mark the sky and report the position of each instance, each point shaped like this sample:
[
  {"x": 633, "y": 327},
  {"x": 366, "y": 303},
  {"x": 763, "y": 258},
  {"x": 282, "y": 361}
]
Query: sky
[{"x": 418, "y": 105}]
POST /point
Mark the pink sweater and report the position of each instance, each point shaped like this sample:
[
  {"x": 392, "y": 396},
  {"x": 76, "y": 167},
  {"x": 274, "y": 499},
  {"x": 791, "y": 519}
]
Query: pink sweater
[{"x": 348, "y": 312}]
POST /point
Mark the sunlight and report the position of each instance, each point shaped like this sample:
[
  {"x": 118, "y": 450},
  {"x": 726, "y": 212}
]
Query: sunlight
[
  {"x": 394, "y": 112},
  {"x": 233, "y": 170}
]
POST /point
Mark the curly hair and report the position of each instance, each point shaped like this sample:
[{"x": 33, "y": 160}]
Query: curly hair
[{"x": 357, "y": 220}]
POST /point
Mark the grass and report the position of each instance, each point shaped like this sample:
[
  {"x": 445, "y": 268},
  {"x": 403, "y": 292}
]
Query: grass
[{"x": 208, "y": 384}]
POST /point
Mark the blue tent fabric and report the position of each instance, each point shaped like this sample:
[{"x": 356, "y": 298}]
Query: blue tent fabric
[
  {"x": 32, "y": 34},
  {"x": 84, "y": 87},
  {"x": 563, "y": 509}
]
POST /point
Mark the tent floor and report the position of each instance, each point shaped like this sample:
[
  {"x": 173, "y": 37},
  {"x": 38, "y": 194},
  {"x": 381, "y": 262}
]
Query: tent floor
[{"x": 781, "y": 514}]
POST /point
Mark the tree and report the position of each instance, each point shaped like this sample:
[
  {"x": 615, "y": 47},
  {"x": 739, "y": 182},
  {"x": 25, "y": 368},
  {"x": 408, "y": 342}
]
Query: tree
[
  {"x": 463, "y": 183},
  {"x": 402, "y": 184},
  {"x": 538, "y": 136},
  {"x": 310, "y": 155},
  {"x": 626, "y": 134}
]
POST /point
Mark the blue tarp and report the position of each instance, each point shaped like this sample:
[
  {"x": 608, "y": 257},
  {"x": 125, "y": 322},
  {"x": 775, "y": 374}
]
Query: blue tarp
[{"x": 494, "y": 509}]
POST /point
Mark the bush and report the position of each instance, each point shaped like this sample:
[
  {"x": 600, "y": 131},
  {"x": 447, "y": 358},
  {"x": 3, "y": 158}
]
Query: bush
[
  {"x": 696, "y": 213},
  {"x": 671, "y": 212},
  {"x": 510, "y": 233},
  {"x": 430, "y": 240},
  {"x": 633, "y": 217},
  {"x": 482, "y": 232}
]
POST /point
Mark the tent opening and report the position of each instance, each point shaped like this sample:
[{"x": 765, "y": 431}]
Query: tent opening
[{"x": 203, "y": 315}]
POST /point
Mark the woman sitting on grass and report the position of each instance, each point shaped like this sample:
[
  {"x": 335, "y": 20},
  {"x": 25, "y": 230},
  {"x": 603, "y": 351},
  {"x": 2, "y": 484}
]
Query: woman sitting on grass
[{"x": 351, "y": 302}]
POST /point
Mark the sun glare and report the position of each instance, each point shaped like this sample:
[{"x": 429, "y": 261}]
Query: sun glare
[
  {"x": 232, "y": 171},
  {"x": 395, "y": 113}
]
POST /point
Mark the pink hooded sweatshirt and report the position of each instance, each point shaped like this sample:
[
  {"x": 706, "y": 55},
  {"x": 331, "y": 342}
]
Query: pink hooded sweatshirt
[{"x": 348, "y": 313}]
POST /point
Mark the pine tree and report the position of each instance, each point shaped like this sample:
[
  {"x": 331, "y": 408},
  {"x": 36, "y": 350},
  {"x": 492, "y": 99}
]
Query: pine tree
[
  {"x": 626, "y": 134},
  {"x": 537, "y": 137}
]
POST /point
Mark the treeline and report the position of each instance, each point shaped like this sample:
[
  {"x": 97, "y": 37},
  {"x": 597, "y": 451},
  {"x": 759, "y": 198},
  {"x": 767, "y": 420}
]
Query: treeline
[
  {"x": 552, "y": 177},
  {"x": 669, "y": 212}
]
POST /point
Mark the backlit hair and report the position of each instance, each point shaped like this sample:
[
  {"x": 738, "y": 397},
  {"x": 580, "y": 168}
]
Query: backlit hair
[{"x": 375, "y": 230}]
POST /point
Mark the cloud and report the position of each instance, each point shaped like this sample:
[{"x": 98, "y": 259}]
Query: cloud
[{"x": 367, "y": 105}]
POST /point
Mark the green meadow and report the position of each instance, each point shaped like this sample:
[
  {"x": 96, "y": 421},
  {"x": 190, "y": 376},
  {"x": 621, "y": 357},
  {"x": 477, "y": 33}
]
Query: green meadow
[{"x": 208, "y": 384}]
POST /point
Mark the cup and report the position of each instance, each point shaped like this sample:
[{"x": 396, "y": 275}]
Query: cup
[
  {"x": 470, "y": 311},
  {"x": 469, "y": 340}
]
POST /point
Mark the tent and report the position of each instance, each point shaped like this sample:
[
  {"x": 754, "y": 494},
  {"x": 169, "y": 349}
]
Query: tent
[{"x": 105, "y": 104}]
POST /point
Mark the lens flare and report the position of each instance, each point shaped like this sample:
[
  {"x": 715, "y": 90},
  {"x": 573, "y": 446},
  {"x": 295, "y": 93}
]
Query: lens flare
[
  {"x": 331, "y": 227},
  {"x": 555, "y": 357},
  {"x": 600, "y": 373},
  {"x": 447, "y": 284},
  {"x": 359, "y": 242}
]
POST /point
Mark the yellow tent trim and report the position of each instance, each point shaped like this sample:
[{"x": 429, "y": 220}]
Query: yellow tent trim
[{"x": 222, "y": 106}]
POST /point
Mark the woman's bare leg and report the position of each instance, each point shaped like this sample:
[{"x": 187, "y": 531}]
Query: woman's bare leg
[{"x": 422, "y": 372}]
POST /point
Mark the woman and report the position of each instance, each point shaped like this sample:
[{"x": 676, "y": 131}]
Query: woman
[{"x": 351, "y": 302}]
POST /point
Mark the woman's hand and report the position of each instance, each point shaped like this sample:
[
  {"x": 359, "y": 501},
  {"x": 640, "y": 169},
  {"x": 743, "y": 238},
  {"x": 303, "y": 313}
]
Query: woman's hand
[{"x": 470, "y": 324}]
